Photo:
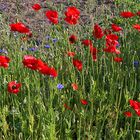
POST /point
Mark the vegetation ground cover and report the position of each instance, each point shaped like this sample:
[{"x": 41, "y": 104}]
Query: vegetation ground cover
[{"x": 70, "y": 70}]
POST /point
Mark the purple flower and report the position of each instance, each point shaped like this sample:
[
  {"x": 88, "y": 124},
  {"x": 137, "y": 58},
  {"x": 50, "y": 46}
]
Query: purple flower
[
  {"x": 32, "y": 49},
  {"x": 60, "y": 86},
  {"x": 48, "y": 37},
  {"x": 54, "y": 40},
  {"x": 47, "y": 46},
  {"x": 118, "y": 45}
]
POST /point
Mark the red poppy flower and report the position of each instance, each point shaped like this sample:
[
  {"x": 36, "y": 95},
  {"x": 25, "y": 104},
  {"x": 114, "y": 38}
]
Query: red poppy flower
[
  {"x": 93, "y": 52},
  {"x": 71, "y": 54},
  {"x": 74, "y": 86},
  {"x": 72, "y": 15},
  {"x": 111, "y": 37},
  {"x": 138, "y": 13},
  {"x": 127, "y": 114},
  {"x": 116, "y": 28},
  {"x": 43, "y": 68},
  {"x": 36, "y": 7},
  {"x": 20, "y": 27},
  {"x": 111, "y": 43},
  {"x": 136, "y": 106},
  {"x": 67, "y": 107},
  {"x": 30, "y": 62},
  {"x": 87, "y": 42},
  {"x": 137, "y": 27},
  {"x": 72, "y": 39},
  {"x": 112, "y": 50},
  {"x": 4, "y": 61},
  {"x": 107, "y": 31},
  {"x": 127, "y": 14},
  {"x": 118, "y": 59},
  {"x": 78, "y": 64},
  {"x": 52, "y": 16},
  {"x": 13, "y": 87},
  {"x": 97, "y": 32},
  {"x": 84, "y": 102}
]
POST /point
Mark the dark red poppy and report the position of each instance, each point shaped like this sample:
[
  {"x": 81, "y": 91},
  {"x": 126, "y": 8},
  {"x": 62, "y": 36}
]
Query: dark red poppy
[
  {"x": 116, "y": 28},
  {"x": 13, "y": 87},
  {"x": 127, "y": 14},
  {"x": 30, "y": 62},
  {"x": 52, "y": 16},
  {"x": 138, "y": 13},
  {"x": 84, "y": 102},
  {"x": 72, "y": 15},
  {"x": 118, "y": 59},
  {"x": 107, "y": 31},
  {"x": 78, "y": 64},
  {"x": 87, "y": 42},
  {"x": 20, "y": 27},
  {"x": 93, "y": 52},
  {"x": 36, "y": 7},
  {"x": 72, "y": 39},
  {"x": 128, "y": 114},
  {"x": 98, "y": 32},
  {"x": 4, "y": 61},
  {"x": 67, "y": 107},
  {"x": 71, "y": 54},
  {"x": 137, "y": 27}
]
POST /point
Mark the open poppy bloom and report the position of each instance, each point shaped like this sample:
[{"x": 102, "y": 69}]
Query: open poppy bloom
[
  {"x": 30, "y": 62},
  {"x": 78, "y": 64},
  {"x": 135, "y": 105},
  {"x": 118, "y": 59},
  {"x": 14, "y": 87},
  {"x": 137, "y": 27},
  {"x": 98, "y": 32},
  {"x": 84, "y": 102},
  {"x": 52, "y": 16},
  {"x": 87, "y": 42},
  {"x": 20, "y": 27},
  {"x": 128, "y": 114},
  {"x": 127, "y": 14},
  {"x": 111, "y": 43},
  {"x": 72, "y": 15},
  {"x": 74, "y": 86},
  {"x": 116, "y": 28},
  {"x": 4, "y": 61},
  {"x": 43, "y": 68},
  {"x": 72, "y": 39},
  {"x": 71, "y": 54},
  {"x": 36, "y": 7}
]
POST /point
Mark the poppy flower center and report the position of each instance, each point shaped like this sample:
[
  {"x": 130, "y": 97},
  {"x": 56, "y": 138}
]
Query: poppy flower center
[{"x": 14, "y": 87}]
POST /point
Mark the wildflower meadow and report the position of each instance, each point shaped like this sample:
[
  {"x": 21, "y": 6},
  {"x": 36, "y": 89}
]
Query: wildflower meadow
[{"x": 70, "y": 70}]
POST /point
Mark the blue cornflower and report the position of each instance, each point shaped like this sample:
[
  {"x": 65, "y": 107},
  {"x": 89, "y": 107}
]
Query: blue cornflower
[
  {"x": 47, "y": 46},
  {"x": 136, "y": 63},
  {"x": 54, "y": 40},
  {"x": 48, "y": 37},
  {"x": 1, "y": 51},
  {"x": 118, "y": 45},
  {"x": 32, "y": 49},
  {"x": 60, "y": 86}
]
